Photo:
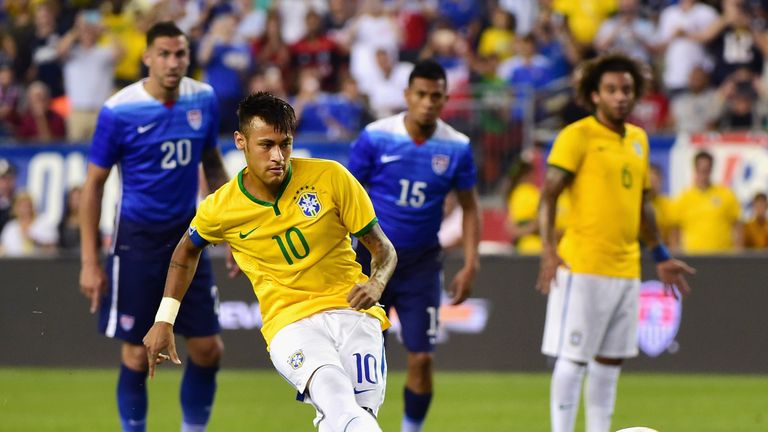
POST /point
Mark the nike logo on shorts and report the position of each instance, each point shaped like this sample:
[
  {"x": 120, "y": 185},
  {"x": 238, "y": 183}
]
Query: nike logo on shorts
[{"x": 362, "y": 391}]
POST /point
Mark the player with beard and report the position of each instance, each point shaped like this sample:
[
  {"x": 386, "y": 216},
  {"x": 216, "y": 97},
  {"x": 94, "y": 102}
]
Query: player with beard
[
  {"x": 593, "y": 276},
  {"x": 409, "y": 163}
]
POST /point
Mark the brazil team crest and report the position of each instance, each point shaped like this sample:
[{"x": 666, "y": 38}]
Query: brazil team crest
[
  {"x": 659, "y": 318},
  {"x": 309, "y": 204},
  {"x": 440, "y": 163},
  {"x": 296, "y": 360},
  {"x": 195, "y": 118}
]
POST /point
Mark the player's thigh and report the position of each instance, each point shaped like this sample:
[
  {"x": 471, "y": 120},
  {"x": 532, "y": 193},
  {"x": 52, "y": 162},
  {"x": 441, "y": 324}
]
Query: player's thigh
[
  {"x": 300, "y": 348},
  {"x": 417, "y": 302},
  {"x": 579, "y": 309},
  {"x": 363, "y": 356},
  {"x": 134, "y": 289},
  {"x": 620, "y": 340},
  {"x": 199, "y": 315}
]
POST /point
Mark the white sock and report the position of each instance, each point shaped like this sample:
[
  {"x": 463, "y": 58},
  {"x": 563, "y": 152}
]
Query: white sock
[
  {"x": 185, "y": 427},
  {"x": 333, "y": 394},
  {"x": 409, "y": 425},
  {"x": 565, "y": 392},
  {"x": 600, "y": 395}
]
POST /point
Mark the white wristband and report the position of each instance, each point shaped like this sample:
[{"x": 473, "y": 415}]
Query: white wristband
[{"x": 169, "y": 308}]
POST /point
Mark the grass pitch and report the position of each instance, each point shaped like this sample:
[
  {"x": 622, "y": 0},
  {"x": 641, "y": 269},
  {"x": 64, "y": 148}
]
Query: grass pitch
[{"x": 44, "y": 400}]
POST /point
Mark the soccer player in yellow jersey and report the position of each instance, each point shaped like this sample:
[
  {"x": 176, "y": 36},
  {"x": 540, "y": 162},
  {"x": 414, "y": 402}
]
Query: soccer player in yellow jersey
[
  {"x": 593, "y": 276},
  {"x": 707, "y": 215},
  {"x": 288, "y": 222}
]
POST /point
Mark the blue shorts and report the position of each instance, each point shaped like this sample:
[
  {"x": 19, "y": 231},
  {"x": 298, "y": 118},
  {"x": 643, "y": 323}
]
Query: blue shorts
[
  {"x": 415, "y": 292},
  {"x": 134, "y": 289}
]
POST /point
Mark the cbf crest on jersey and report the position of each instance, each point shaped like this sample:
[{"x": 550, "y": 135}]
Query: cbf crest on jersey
[
  {"x": 309, "y": 204},
  {"x": 296, "y": 360},
  {"x": 659, "y": 319},
  {"x": 195, "y": 118},
  {"x": 440, "y": 163}
]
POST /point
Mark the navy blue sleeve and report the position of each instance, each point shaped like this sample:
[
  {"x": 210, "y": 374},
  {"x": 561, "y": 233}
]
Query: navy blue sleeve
[{"x": 362, "y": 157}]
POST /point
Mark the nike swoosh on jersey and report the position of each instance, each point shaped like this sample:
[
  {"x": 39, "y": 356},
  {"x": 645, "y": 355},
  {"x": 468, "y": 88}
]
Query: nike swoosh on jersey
[
  {"x": 243, "y": 236},
  {"x": 142, "y": 129},
  {"x": 390, "y": 158},
  {"x": 362, "y": 391}
]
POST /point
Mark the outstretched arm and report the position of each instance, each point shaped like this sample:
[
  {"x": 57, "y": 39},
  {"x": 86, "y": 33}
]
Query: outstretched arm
[
  {"x": 671, "y": 271},
  {"x": 461, "y": 286},
  {"x": 556, "y": 180},
  {"x": 180, "y": 273},
  {"x": 383, "y": 262}
]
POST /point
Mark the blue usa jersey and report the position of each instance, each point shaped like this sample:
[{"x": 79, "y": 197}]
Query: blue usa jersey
[
  {"x": 157, "y": 149},
  {"x": 407, "y": 181}
]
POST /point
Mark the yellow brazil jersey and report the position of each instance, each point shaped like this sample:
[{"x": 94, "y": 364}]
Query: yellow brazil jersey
[
  {"x": 610, "y": 173},
  {"x": 585, "y": 16},
  {"x": 296, "y": 251},
  {"x": 706, "y": 219},
  {"x": 523, "y": 208}
]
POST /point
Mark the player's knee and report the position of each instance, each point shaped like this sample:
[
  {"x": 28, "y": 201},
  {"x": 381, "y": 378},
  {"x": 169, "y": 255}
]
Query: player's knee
[
  {"x": 420, "y": 362},
  {"x": 134, "y": 357},
  {"x": 205, "y": 351}
]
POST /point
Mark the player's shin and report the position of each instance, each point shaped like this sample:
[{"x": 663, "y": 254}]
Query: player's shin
[
  {"x": 333, "y": 395},
  {"x": 564, "y": 394},
  {"x": 132, "y": 399},
  {"x": 600, "y": 395},
  {"x": 198, "y": 387}
]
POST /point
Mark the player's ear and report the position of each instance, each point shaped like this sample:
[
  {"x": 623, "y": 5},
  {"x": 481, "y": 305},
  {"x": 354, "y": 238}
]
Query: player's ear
[{"x": 240, "y": 140}]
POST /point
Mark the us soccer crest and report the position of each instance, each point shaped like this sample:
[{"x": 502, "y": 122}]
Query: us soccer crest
[
  {"x": 309, "y": 204},
  {"x": 296, "y": 360},
  {"x": 659, "y": 319},
  {"x": 126, "y": 322},
  {"x": 440, "y": 163},
  {"x": 195, "y": 118}
]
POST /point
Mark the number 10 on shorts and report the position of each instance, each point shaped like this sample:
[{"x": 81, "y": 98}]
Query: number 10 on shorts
[{"x": 366, "y": 368}]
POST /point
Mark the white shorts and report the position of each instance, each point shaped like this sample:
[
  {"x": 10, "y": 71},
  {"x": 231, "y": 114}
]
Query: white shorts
[
  {"x": 590, "y": 315},
  {"x": 348, "y": 339}
]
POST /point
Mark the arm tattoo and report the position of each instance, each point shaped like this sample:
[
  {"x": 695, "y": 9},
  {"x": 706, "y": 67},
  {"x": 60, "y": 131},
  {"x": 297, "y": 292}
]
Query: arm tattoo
[
  {"x": 177, "y": 265},
  {"x": 383, "y": 256}
]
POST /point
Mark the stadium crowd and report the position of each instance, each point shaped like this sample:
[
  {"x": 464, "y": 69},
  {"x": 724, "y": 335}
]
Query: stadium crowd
[{"x": 343, "y": 63}]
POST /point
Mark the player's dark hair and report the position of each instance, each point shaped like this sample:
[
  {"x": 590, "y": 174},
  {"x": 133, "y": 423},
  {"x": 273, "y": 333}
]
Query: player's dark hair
[
  {"x": 427, "y": 69},
  {"x": 163, "y": 29},
  {"x": 760, "y": 196},
  {"x": 703, "y": 154},
  {"x": 273, "y": 110},
  {"x": 591, "y": 72}
]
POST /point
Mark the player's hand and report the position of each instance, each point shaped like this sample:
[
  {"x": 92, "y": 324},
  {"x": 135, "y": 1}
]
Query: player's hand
[
  {"x": 549, "y": 263},
  {"x": 157, "y": 339},
  {"x": 461, "y": 286},
  {"x": 672, "y": 274},
  {"x": 93, "y": 283},
  {"x": 232, "y": 268},
  {"x": 365, "y": 295}
]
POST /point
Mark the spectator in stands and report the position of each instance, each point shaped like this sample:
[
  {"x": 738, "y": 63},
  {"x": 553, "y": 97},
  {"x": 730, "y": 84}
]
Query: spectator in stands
[
  {"x": 69, "y": 226},
  {"x": 335, "y": 22},
  {"x": 450, "y": 49},
  {"x": 734, "y": 42},
  {"x": 554, "y": 40},
  {"x": 270, "y": 49},
  {"x": 683, "y": 33},
  {"x": 227, "y": 65},
  {"x": 697, "y": 108},
  {"x": 385, "y": 84},
  {"x": 651, "y": 111},
  {"x": 374, "y": 28},
  {"x": 268, "y": 80},
  {"x": 311, "y": 106},
  {"x": 706, "y": 216},
  {"x": 661, "y": 203},
  {"x": 465, "y": 16},
  {"x": 584, "y": 18},
  {"x": 627, "y": 32},
  {"x": 415, "y": 18},
  {"x": 89, "y": 70},
  {"x": 46, "y": 65},
  {"x": 526, "y": 72},
  {"x": 128, "y": 25},
  {"x": 293, "y": 15},
  {"x": 349, "y": 110},
  {"x": 253, "y": 20},
  {"x": 317, "y": 50},
  {"x": 525, "y": 12},
  {"x": 7, "y": 190},
  {"x": 38, "y": 122},
  {"x": 26, "y": 234},
  {"x": 10, "y": 97},
  {"x": 498, "y": 39},
  {"x": 756, "y": 230},
  {"x": 740, "y": 96}
]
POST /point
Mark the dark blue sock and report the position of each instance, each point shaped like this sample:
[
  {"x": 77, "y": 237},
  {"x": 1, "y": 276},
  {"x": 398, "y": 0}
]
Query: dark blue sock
[
  {"x": 132, "y": 399},
  {"x": 197, "y": 389},
  {"x": 416, "y": 405}
]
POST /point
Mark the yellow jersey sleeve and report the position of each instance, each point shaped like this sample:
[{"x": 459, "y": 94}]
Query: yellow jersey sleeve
[
  {"x": 356, "y": 208},
  {"x": 568, "y": 150},
  {"x": 205, "y": 222}
]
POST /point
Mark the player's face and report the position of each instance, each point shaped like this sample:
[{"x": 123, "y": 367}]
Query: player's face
[
  {"x": 425, "y": 99},
  {"x": 167, "y": 60},
  {"x": 267, "y": 152},
  {"x": 615, "y": 96}
]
